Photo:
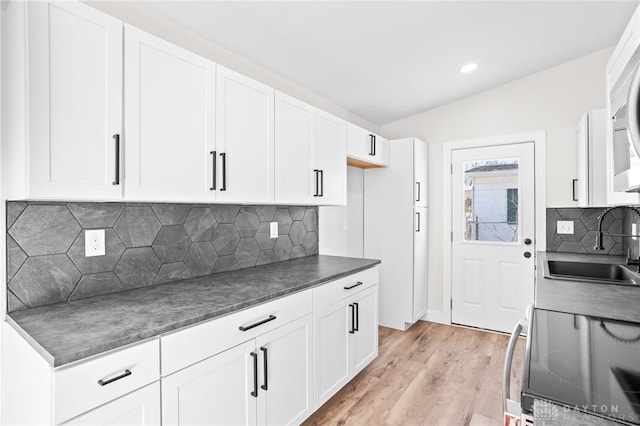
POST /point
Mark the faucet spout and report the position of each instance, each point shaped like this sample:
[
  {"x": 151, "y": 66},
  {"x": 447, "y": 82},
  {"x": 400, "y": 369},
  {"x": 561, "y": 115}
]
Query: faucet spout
[{"x": 599, "y": 235}]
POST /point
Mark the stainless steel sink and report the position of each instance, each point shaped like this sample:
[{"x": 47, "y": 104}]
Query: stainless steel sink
[{"x": 592, "y": 272}]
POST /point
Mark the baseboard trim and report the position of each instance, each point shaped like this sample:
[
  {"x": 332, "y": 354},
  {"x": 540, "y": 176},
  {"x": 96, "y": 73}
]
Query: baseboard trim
[{"x": 434, "y": 315}]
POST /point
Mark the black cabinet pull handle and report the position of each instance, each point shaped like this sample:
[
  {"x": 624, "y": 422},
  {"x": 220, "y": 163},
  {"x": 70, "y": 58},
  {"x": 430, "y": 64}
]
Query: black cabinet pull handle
[
  {"x": 213, "y": 187},
  {"x": 349, "y": 287},
  {"x": 418, "y": 230},
  {"x": 116, "y": 138},
  {"x": 265, "y": 386},
  {"x": 322, "y": 183},
  {"x": 374, "y": 145},
  {"x": 103, "y": 382},
  {"x": 418, "y": 183},
  {"x": 315, "y": 172},
  {"x": 371, "y": 144},
  {"x": 357, "y": 323},
  {"x": 255, "y": 374},
  {"x": 255, "y": 324},
  {"x": 224, "y": 171},
  {"x": 353, "y": 319},
  {"x": 575, "y": 198}
]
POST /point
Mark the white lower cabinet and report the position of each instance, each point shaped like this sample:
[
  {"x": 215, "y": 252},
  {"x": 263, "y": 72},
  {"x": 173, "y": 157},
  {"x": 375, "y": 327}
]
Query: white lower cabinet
[
  {"x": 215, "y": 391},
  {"x": 139, "y": 408},
  {"x": 272, "y": 364},
  {"x": 346, "y": 331},
  {"x": 267, "y": 380}
]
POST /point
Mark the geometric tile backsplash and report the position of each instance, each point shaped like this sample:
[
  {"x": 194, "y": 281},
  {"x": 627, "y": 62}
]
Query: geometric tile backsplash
[
  {"x": 146, "y": 244},
  {"x": 585, "y": 226}
]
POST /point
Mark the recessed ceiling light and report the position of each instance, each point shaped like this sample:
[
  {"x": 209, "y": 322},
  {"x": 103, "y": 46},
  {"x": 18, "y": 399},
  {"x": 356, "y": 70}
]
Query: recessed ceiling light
[{"x": 470, "y": 67}]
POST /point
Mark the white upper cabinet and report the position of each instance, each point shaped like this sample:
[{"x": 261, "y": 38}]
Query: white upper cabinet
[
  {"x": 244, "y": 139},
  {"x": 330, "y": 159},
  {"x": 295, "y": 134},
  {"x": 366, "y": 148},
  {"x": 75, "y": 101},
  {"x": 590, "y": 188},
  {"x": 420, "y": 163},
  {"x": 310, "y": 154},
  {"x": 169, "y": 121}
]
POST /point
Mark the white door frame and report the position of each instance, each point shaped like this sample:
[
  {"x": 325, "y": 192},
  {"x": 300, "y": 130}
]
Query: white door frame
[{"x": 539, "y": 140}]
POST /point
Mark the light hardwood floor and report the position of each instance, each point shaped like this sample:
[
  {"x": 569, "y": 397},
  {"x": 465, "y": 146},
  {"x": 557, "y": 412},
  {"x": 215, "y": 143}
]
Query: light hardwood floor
[{"x": 431, "y": 374}]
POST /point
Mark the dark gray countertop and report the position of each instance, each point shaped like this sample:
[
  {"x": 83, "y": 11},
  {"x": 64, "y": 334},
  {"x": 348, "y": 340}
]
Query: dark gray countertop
[
  {"x": 608, "y": 300},
  {"x": 67, "y": 332}
]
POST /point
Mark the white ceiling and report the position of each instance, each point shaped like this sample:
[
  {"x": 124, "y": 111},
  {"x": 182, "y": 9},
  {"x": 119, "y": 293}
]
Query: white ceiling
[{"x": 387, "y": 60}]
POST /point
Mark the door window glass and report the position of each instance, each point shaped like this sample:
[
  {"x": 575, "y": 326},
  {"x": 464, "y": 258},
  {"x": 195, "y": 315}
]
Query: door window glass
[{"x": 491, "y": 193}]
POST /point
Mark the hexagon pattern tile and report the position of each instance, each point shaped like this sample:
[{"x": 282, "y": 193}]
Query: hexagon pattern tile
[
  {"x": 146, "y": 244},
  {"x": 200, "y": 224},
  {"x": 585, "y": 225},
  {"x": 96, "y": 284},
  {"x": 172, "y": 272},
  {"x": 283, "y": 217},
  {"x": 96, "y": 215},
  {"x": 138, "y": 267},
  {"x": 43, "y": 280},
  {"x": 45, "y": 229},
  {"x": 225, "y": 239},
  {"x": 200, "y": 258},
  {"x": 137, "y": 226},
  {"x": 171, "y": 244}
]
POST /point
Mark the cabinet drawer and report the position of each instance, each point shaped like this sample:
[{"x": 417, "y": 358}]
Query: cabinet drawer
[
  {"x": 86, "y": 385},
  {"x": 334, "y": 291},
  {"x": 188, "y": 346}
]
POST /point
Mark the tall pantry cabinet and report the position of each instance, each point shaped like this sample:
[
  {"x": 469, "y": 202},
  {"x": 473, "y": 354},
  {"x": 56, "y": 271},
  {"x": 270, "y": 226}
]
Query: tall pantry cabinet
[{"x": 395, "y": 231}]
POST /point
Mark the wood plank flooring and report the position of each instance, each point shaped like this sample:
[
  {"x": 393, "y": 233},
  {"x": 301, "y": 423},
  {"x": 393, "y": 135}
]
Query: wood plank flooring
[{"x": 431, "y": 374}]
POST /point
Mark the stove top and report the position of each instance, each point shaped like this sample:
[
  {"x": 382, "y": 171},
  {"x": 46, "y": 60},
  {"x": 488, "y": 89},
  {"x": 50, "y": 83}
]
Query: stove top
[{"x": 584, "y": 363}]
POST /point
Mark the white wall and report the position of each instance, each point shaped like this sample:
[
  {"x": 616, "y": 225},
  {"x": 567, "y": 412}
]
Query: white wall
[
  {"x": 158, "y": 25},
  {"x": 334, "y": 239},
  {"x": 552, "y": 100}
]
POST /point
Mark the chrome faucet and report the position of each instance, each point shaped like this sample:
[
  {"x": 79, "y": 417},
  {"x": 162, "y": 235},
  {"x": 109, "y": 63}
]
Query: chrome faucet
[{"x": 599, "y": 245}]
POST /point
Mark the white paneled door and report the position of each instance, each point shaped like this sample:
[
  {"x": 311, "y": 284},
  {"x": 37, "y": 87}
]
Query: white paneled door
[{"x": 492, "y": 235}]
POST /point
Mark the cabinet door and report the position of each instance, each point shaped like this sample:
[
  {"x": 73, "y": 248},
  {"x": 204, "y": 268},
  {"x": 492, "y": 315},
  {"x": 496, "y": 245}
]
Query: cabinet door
[
  {"x": 245, "y": 139},
  {"x": 420, "y": 162},
  {"x": 169, "y": 119},
  {"x": 381, "y": 151},
  {"x": 286, "y": 374},
  {"x": 363, "y": 346},
  {"x": 295, "y": 134},
  {"x": 75, "y": 101},
  {"x": 331, "y": 159},
  {"x": 359, "y": 144},
  {"x": 581, "y": 186},
  {"x": 420, "y": 264},
  {"x": 331, "y": 325},
  {"x": 139, "y": 408},
  {"x": 216, "y": 391}
]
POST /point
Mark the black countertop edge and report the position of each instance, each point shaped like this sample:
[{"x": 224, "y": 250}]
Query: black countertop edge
[{"x": 71, "y": 356}]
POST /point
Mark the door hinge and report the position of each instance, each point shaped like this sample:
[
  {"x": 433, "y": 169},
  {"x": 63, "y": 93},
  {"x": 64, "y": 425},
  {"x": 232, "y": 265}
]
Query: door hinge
[
  {"x": 451, "y": 236},
  {"x": 451, "y": 168},
  {"x": 451, "y": 305}
]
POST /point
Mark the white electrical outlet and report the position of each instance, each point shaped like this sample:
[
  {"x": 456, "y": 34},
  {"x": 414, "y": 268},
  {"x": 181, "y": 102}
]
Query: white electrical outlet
[
  {"x": 346, "y": 225},
  {"x": 94, "y": 242},
  {"x": 565, "y": 227},
  {"x": 274, "y": 229}
]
